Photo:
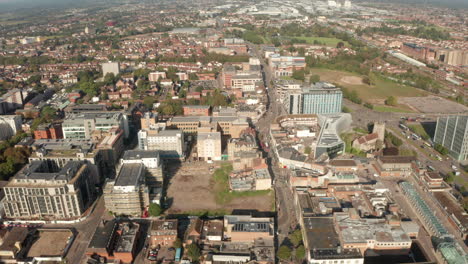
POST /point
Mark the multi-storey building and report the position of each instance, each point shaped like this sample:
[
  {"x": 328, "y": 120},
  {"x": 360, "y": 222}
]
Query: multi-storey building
[
  {"x": 245, "y": 228},
  {"x": 128, "y": 193},
  {"x": 394, "y": 166},
  {"x": 59, "y": 151},
  {"x": 9, "y": 125},
  {"x": 111, "y": 67},
  {"x": 197, "y": 110},
  {"x": 163, "y": 232},
  {"x": 321, "y": 98},
  {"x": 169, "y": 142},
  {"x": 227, "y": 125},
  {"x": 209, "y": 145},
  {"x": 285, "y": 65},
  {"x": 48, "y": 131},
  {"x": 154, "y": 176},
  {"x": 80, "y": 126},
  {"x": 40, "y": 191},
  {"x": 452, "y": 133},
  {"x": 12, "y": 100}
]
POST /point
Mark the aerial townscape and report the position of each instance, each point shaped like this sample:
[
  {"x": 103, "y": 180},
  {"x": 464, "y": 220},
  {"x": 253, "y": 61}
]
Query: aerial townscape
[{"x": 234, "y": 131}]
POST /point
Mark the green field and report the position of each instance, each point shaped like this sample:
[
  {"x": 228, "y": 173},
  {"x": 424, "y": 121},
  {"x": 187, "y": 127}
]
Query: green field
[
  {"x": 383, "y": 108},
  {"x": 331, "y": 42},
  {"x": 381, "y": 89}
]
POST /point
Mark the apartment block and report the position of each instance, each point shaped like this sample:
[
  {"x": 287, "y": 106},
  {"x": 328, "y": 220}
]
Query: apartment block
[
  {"x": 59, "y": 152},
  {"x": 452, "y": 133},
  {"x": 209, "y": 145},
  {"x": 169, "y": 142},
  {"x": 40, "y": 191},
  {"x": 128, "y": 193},
  {"x": 111, "y": 67}
]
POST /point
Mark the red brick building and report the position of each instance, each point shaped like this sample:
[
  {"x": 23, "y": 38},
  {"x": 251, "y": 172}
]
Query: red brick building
[
  {"x": 163, "y": 232},
  {"x": 197, "y": 110},
  {"x": 48, "y": 131}
]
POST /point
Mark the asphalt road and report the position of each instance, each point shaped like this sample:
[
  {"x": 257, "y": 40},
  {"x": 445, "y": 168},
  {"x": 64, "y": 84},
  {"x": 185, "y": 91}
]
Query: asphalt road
[{"x": 286, "y": 220}]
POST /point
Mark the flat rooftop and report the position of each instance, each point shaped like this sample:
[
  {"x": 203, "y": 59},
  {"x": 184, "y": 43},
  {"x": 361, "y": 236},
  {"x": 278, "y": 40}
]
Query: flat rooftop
[
  {"x": 129, "y": 174},
  {"x": 365, "y": 229},
  {"x": 320, "y": 233},
  {"x": 140, "y": 154},
  {"x": 39, "y": 170}
]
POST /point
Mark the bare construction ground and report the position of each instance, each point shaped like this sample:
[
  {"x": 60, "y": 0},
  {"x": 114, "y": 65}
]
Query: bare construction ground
[
  {"x": 191, "y": 190},
  {"x": 433, "y": 104}
]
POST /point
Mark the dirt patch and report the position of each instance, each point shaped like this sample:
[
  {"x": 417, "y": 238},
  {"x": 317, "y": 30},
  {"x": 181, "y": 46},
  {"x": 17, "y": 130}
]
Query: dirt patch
[
  {"x": 190, "y": 189},
  {"x": 352, "y": 80}
]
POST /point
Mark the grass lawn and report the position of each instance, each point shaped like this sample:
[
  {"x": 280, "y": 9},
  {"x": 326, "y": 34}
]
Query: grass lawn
[
  {"x": 419, "y": 130},
  {"x": 332, "y": 42},
  {"x": 381, "y": 89},
  {"x": 383, "y": 108}
]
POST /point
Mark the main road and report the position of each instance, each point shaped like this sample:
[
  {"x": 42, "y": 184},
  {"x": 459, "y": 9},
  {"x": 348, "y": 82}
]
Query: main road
[{"x": 286, "y": 219}]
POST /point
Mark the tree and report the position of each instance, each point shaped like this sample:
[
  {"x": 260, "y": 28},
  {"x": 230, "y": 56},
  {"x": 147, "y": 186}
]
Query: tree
[
  {"x": 391, "y": 100},
  {"x": 109, "y": 79},
  {"x": 193, "y": 252},
  {"x": 345, "y": 109},
  {"x": 441, "y": 149},
  {"x": 177, "y": 243},
  {"x": 298, "y": 75},
  {"x": 193, "y": 76},
  {"x": 314, "y": 78},
  {"x": 368, "y": 105},
  {"x": 366, "y": 80},
  {"x": 284, "y": 253},
  {"x": 154, "y": 209},
  {"x": 300, "y": 252},
  {"x": 148, "y": 101},
  {"x": 340, "y": 45},
  {"x": 296, "y": 237}
]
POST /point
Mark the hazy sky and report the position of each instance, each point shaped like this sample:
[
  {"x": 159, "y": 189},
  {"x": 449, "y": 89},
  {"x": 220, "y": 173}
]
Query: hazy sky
[{"x": 44, "y": 3}]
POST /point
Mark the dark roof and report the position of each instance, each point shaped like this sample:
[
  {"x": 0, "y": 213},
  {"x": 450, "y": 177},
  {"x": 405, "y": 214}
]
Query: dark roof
[
  {"x": 129, "y": 174},
  {"x": 103, "y": 235},
  {"x": 343, "y": 163},
  {"x": 397, "y": 159},
  {"x": 140, "y": 154},
  {"x": 320, "y": 233}
]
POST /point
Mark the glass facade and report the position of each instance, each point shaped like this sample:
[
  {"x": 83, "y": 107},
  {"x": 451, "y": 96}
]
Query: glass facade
[{"x": 452, "y": 133}]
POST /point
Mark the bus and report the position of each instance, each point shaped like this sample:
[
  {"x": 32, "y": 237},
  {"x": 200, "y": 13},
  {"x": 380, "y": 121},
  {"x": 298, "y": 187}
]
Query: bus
[
  {"x": 430, "y": 168},
  {"x": 402, "y": 126},
  {"x": 415, "y": 137},
  {"x": 178, "y": 254}
]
